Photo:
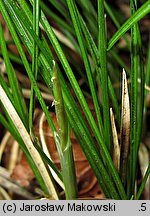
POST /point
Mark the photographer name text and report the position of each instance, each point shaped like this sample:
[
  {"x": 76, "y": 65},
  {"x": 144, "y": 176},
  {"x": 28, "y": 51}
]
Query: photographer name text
[{"x": 70, "y": 207}]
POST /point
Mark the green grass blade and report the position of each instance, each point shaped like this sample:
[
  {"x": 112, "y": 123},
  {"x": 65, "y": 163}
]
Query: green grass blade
[
  {"x": 13, "y": 58},
  {"x": 147, "y": 175},
  {"x": 136, "y": 113},
  {"x": 77, "y": 27},
  {"x": 23, "y": 23},
  {"x": 142, "y": 94},
  {"x": 141, "y": 98},
  {"x": 60, "y": 6},
  {"x": 85, "y": 139},
  {"x": 104, "y": 80},
  {"x": 26, "y": 64},
  {"x": 147, "y": 72},
  {"x": 116, "y": 22},
  {"x": 119, "y": 60},
  {"x": 36, "y": 18},
  {"x": 94, "y": 53},
  {"x": 114, "y": 99},
  {"x": 63, "y": 144},
  {"x": 56, "y": 18},
  {"x": 88, "y": 7},
  {"x": 16, "y": 91},
  {"x": 59, "y": 109},
  {"x": 83, "y": 132},
  {"x": 69, "y": 72},
  {"x": 134, "y": 102},
  {"x": 111, "y": 14},
  {"x": 27, "y": 35},
  {"x": 6, "y": 88},
  {"x": 138, "y": 15},
  {"x": 90, "y": 42}
]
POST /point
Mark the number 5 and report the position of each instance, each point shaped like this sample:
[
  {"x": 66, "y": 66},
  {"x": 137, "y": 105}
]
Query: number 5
[{"x": 143, "y": 207}]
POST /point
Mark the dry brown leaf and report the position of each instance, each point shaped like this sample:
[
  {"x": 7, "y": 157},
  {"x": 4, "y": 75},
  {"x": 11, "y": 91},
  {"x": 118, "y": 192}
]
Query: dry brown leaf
[
  {"x": 125, "y": 128},
  {"x": 116, "y": 147}
]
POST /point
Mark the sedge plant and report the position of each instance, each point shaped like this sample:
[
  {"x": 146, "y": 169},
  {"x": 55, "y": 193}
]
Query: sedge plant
[{"x": 80, "y": 29}]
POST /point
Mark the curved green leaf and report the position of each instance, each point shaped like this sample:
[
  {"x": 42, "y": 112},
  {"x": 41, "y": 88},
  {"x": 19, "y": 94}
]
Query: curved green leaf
[{"x": 139, "y": 14}]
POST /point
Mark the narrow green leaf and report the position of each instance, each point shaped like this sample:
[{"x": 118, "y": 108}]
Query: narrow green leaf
[
  {"x": 138, "y": 15},
  {"x": 77, "y": 26},
  {"x": 104, "y": 74},
  {"x": 36, "y": 18},
  {"x": 94, "y": 53},
  {"x": 56, "y": 18},
  {"x": 134, "y": 101},
  {"x": 60, "y": 6},
  {"x": 69, "y": 72},
  {"x": 137, "y": 104},
  {"x": 147, "y": 72},
  {"x": 13, "y": 57},
  {"x": 147, "y": 175},
  {"x": 113, "y": 54},
  {"x": 59, "y": 109},
  {"x": 26, "y": 64},
  {"x": 85, "y": 139},
  {"x": 116, "y": 22},
  {"x": 16, "y": 91}
]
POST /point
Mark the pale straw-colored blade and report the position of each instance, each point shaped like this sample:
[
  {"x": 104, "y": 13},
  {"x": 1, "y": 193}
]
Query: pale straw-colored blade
[
  {"x": 28, "y": 142},
  {"x": 125, "y": 129},
  {"x": 116, "y": 147}
]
